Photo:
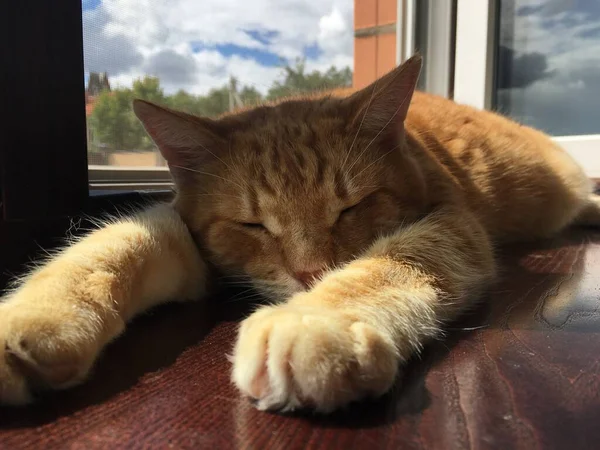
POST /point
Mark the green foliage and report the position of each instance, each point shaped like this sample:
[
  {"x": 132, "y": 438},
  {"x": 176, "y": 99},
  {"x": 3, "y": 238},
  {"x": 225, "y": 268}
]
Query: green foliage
[
  {"x": 114, "y": 126},
  {"x": 113, "y": 122},
  {"x": 213, "y": 104},
  {"x": 297, "y": 81},
  {"x": 250, "y": 96}
]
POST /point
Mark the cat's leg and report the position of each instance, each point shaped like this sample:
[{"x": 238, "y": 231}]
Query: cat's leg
[
  {"x": 54, "y": 325},
  {"x": 590, "y": 214},
  {"x": 346, "y": 338}
]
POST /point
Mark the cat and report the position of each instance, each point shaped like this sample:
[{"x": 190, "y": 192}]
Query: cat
[{"x": 368, "y": 224}]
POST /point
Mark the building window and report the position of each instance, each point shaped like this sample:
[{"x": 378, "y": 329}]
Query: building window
[
  {"x": 548, "y": 67},
  {"x": 536, "y": 61}
]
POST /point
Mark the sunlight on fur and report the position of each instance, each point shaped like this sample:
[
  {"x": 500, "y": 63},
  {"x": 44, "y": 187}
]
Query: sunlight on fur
[{"x": 368, "y": 224}]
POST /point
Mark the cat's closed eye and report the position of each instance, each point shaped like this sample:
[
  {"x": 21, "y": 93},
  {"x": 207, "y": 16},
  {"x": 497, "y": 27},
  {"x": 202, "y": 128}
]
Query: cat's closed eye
[
  {"x": 350, "y": 209},
  {"x": 253, "y": 226}
]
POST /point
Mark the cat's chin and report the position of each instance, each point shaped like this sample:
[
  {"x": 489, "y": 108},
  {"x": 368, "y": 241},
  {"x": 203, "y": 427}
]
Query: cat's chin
[{"x": 275, "y": 293}]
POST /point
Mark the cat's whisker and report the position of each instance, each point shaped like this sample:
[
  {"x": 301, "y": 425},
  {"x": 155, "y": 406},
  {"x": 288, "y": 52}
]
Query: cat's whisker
[
  {"x": 235, "y": 275},
  {"x": 250, "y": 293},
  {"x": 238, "y": 299},
  {"x": 236, "y": 281},
  {"x": 406, "y": 97},
  {"x": 249, "y": 287},
  {"x": 272, "y": 289},
  {"x": 360, "y": 126},
  {"x": 372, "y": 163},
  {"x": 240, "y": 283},
  {"x": 220, "y": 195},
  {"x": 209, "y": 151},
  {"x": 366, "y": 186},
  {"x": 236, "y": 173},
  {"x": 209, "y": 174}
]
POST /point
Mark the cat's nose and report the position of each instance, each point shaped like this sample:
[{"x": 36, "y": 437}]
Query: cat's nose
[{"x": 307, "y": 278}]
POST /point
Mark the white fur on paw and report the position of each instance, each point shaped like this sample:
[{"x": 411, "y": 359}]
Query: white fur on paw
[{"x": 290, "y": 357}]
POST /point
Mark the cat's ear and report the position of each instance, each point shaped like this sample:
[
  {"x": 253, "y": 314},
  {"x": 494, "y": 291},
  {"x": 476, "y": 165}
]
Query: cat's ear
[
  {"x": 385, "y": 102},
  {"x": 183, "y": 140}
]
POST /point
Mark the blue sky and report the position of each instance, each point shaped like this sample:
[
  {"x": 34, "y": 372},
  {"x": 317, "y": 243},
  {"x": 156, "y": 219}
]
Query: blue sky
[
  {"x": 262, "y": 56},
  {"x": 90, "y": 4},
  {"x": 264, "y": 37},
  {"x": 196, "y": 44}
]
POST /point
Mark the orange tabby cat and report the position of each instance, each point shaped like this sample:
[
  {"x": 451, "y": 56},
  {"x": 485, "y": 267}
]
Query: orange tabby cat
[{"x": 371, "y": 223}]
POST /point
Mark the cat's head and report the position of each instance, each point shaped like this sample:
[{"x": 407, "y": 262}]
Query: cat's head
[{"x": 281, "y": 193}]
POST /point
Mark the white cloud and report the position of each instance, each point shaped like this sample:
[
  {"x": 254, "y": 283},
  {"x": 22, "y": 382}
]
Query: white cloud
[
  {"x": 158, "y": 37},
  {"x": 106, "y": 52},
  {"x": 566, "y": 37},
  {"x": 336, "y": 38}
]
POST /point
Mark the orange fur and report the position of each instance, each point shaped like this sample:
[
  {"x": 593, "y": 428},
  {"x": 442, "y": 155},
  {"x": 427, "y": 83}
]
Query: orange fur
[{"x": 371, "y": 223}]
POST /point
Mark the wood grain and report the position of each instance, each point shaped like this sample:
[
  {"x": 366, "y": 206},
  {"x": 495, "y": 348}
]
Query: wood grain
[{"x": 520, "y": 372}]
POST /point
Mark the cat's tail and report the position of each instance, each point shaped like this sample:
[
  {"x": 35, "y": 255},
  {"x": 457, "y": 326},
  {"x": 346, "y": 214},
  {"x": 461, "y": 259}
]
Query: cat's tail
[{"x": 590, "y": 214}]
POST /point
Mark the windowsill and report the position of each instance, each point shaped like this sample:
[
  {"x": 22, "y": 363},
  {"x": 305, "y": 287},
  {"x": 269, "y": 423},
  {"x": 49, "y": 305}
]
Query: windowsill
[
  {"x": 584, "y": 149},
  {"x": 130, "y": 186},
  {"x": 130, "y": 178},
  {"x": 127, "y": 190}
]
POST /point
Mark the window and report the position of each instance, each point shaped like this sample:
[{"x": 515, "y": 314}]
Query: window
[
  {"x": 428, "y": 26},
  {"x": 65, "y": 91},
  {"x": 55, "y": 86},
  {"x": 210, "y": 57},
  {"x": 204, "y": 57},
  {"x": 537, "y": 61}
]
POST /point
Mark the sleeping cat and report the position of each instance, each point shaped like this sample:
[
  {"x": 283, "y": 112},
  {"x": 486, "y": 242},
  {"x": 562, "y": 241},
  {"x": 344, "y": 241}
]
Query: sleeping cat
[{"x": 369, "y": 225}]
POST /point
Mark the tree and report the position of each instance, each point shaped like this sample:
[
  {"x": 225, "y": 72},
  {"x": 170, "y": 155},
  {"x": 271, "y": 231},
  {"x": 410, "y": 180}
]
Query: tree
[
  {"x": 213, "y": 104},
  {"x": 148, "y": 88},
  {"x": 113, "y": 121},
  {"x": 250, "y": 96},
  {"x": 182, "y": 101},
  {"x": 297, "y": 81},
  {"x": 115, "y": 127}
]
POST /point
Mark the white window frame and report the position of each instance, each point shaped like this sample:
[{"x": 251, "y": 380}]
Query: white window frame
[
  {"x": 474, "y": 74},
  {"x": 436, "y": 17},
  {"x": 406, "y": 20}
]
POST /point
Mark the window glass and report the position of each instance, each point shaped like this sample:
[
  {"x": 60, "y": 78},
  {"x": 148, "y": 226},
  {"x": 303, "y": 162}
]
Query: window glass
[
  {"x": 205, "y": 57},
  {"x": 549, "y": 64}
]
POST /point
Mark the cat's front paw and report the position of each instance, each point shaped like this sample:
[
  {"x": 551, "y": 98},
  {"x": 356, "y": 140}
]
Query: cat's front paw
[
  {"x": 44, "y": 347},
  {"x": 289, "y": 357}
]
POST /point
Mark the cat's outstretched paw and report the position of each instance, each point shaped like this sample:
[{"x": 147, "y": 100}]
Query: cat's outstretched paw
[
  {"x": 290, "y": 357},
  {"x": 13, "y": 386},
  {"x": 44, "y": 348}
]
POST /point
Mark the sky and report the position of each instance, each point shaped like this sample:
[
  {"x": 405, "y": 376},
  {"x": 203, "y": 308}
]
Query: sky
[
  {"x": 549, "y": 64},
  {"x": 197, "y": 44},
  {"x": 549, "y": 68}
]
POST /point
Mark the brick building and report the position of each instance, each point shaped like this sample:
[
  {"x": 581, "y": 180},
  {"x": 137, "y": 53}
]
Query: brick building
[{"x": 374, "y": 39}]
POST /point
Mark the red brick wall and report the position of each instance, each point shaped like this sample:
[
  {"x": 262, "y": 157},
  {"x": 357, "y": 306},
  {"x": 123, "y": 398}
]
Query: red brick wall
[{"x": 374, "y": 55}]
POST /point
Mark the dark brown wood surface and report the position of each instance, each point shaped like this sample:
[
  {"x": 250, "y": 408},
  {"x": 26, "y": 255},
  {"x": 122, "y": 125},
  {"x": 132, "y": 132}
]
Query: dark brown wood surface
[{"x": 521, "y": 372}]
